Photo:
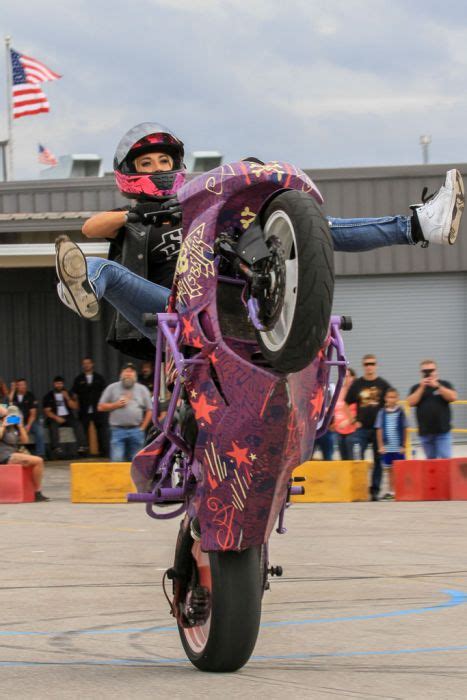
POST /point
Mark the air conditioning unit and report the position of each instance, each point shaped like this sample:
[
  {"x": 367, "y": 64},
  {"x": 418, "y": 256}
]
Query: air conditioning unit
[
  {"x": 74, "y": 165},
  {"x": 202, "y": 161}
]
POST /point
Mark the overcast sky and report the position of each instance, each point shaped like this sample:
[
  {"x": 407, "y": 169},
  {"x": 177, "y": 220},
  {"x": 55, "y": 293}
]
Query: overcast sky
[{"x": 321, "y": 83}]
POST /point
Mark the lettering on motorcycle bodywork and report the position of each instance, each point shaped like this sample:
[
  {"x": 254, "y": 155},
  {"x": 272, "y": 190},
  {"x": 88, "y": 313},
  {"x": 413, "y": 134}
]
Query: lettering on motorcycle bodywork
[
  {"x": 215, "y": 181},
  {"x": 223, "y": 517},
  {"x": 217, "y": 466},
  {"x": 272, "y": 168},
  {"x": 248, "y": 217},
  {"x": 195, "y": 262}
]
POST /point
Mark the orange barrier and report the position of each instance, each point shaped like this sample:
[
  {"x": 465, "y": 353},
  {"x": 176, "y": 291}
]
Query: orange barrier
[
  {"x": 422, "y": 479},
  {"x": 16, "y": 484},
  {"x": 458, "y": 479}
]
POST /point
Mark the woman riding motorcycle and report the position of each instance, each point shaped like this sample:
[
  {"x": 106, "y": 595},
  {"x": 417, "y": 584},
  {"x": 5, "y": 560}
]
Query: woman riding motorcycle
[{"x": 145, "y": 239}]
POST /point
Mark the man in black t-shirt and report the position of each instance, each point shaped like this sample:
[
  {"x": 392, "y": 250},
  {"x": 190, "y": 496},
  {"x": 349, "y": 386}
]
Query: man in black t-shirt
[
  {"x": 368, "y": 392},
  {"x": 431, "y": 398},
  {"x": 25, "y": 400},
  {"x": 87, "y": 389}
]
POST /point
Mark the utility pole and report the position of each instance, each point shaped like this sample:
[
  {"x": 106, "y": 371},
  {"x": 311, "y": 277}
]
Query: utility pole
[
  {"x": 9, "y": 80},
  {"x": 3, "y": 148},
  {"x": 425, "y": 141}
]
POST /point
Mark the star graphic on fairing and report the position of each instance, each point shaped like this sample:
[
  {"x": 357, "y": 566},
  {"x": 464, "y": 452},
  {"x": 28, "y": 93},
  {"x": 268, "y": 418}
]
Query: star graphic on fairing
[
  {"x": 193, "y": 394},
  {"x": 252, "y": 456},
  {"x": 187, "y": 327},
  {"x": 317, "y": 401},
  {"x": 239, "y": 454},
  {"x": 203, "y": 409}
]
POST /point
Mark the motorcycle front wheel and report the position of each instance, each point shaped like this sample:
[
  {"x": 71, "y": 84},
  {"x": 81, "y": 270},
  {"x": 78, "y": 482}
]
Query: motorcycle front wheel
[
  {"x": 225, "y": 642},
  {"x": 295, "y": 219}
]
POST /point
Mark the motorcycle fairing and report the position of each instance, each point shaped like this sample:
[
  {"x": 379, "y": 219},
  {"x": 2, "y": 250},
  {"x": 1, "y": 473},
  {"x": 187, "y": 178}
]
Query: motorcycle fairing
[{"x": 254, "y": 425}]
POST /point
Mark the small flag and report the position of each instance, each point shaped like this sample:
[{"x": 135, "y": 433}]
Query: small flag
[
  {"x": 27, "y": 74},
  {"x": 45, "y": 157}
]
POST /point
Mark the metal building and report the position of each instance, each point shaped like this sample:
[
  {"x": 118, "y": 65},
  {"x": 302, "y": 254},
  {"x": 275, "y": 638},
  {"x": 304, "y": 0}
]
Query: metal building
[{"x": 407, "y": 303}]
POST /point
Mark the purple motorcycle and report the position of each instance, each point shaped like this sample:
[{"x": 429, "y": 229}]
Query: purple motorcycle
[{"x": 248, "y": 344}]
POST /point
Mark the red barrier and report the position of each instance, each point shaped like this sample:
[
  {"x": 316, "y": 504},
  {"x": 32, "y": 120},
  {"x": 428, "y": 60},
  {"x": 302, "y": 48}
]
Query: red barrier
[
  {"x": 422, "y": 479},
  {"x": 458, "y": 479},
  {"x": 16, "y": 484}
]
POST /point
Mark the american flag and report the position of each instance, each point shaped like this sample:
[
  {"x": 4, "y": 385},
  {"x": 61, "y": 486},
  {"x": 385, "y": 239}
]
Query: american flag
[
  {"x": 46, "y": 157},
  {"x": 27, "y": 74}
]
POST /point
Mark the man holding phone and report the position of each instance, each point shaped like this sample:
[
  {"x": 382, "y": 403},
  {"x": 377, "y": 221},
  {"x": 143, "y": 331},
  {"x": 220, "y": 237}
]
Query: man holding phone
[{"x": 431, "y": 398}]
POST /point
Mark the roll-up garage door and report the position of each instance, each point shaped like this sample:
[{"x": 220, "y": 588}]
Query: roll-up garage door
[{"x": 404, "y": 319}]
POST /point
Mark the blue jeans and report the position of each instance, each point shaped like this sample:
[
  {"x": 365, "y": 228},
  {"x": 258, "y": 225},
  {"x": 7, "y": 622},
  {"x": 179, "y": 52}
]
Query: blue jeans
[
  {"x": 326, "y": 445},
  {"x": 125, "y": 443},
  {"x": 133, "y": 295},
  {"x": 437, "y": 446},
  {"x": 366, "y": 437},
  {"x": 357, "y": 235},
  {"x": 39, "y": 446},
  {"x": 349, "y": 447},
  {"x": 129, "y": 293}
]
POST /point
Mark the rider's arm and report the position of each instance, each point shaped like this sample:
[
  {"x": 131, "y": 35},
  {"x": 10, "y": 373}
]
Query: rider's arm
[{"x": 105, "y": 225}]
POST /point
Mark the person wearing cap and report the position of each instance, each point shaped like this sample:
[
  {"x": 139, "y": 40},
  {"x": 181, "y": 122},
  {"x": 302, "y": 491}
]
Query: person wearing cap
[
  {"x": 58, "y": 409},
  {"x": 130, "y": 407},
  {"x": 12, "y": 435}
]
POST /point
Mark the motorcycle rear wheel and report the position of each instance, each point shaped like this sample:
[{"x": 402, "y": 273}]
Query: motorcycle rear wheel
[
  {"x": 226, "y": 640},
  {"x": 296, "y": 220}
]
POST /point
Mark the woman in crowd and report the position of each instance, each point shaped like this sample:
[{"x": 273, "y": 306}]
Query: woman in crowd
[
  {"x": 345, "y": 422},
  {"x": 12, "y": 435}
]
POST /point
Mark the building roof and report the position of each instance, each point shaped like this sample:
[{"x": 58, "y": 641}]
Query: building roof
[{"x": 52, "y": 206}]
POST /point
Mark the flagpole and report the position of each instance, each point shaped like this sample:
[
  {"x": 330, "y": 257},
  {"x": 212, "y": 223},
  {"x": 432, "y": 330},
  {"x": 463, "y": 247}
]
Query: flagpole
[{"x": 9, "y": 108}]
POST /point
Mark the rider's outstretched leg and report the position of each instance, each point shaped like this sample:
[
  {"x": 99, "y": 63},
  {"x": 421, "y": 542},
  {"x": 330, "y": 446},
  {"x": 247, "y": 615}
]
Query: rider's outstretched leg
[
  {"x": 435, "y": 220},
  {"x": 84, "y": 281}
]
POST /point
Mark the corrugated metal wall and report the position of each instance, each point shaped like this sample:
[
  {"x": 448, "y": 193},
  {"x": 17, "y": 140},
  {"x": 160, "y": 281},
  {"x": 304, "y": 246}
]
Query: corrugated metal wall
[
  {"x": 40, "y": 337},
  {"x": 32, "y": 320},
  {"x": 404, "y": 319},
  {"x": 365, "y": 192},
  {"x": 349, "y": 192}
]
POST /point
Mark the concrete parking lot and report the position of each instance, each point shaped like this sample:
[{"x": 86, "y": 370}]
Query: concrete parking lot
[{"x": 372, "y": 604}]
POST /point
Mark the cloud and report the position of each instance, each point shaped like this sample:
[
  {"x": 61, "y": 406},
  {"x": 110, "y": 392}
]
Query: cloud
[{"x": 318, "y": 82}]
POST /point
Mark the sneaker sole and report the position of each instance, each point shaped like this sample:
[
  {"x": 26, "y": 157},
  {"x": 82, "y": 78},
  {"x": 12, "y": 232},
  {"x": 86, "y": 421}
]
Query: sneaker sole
[
  {"x": 457, "y": 206},
  {"x": 72, "y": 270}
]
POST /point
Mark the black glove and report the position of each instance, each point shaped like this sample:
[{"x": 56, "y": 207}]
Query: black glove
[
  {"x": 157, "y": 213},
  {"x": 173, "y": 207}
]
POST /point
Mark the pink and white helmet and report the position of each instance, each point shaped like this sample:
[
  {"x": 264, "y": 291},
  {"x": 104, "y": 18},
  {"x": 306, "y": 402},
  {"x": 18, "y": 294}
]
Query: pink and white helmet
[{"x": 144, "y": 138}]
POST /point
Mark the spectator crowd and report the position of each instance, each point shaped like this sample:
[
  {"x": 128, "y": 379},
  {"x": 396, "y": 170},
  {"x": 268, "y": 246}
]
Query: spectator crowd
[
  {"x": 367, "y": 416},
  {"x": 120, "y": 413}
]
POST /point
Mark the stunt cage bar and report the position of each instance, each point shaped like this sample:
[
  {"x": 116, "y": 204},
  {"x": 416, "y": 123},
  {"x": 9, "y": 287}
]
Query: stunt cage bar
[{"x": 170, "y": 330}]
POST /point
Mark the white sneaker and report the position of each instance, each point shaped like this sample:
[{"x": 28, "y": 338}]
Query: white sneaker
[
  {"x": 440, "y": 216},
  {"x": 74, "y": 289}
]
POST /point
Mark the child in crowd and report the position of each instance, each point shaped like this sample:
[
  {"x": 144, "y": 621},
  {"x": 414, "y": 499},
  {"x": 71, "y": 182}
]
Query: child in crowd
[
  {"x": 391, "y": 434},
  {"x": 12, "y": 435}
]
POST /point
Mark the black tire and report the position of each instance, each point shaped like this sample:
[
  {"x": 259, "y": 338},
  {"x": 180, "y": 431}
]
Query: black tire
[
  {"x": 312, "y": 251},
  {"x": 235, "y": 612}
]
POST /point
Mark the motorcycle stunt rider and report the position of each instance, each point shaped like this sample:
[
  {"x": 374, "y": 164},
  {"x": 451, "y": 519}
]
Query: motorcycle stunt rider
[
  {"x": 138, "y": 275},
  {"x": 146, "y": 238}
]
